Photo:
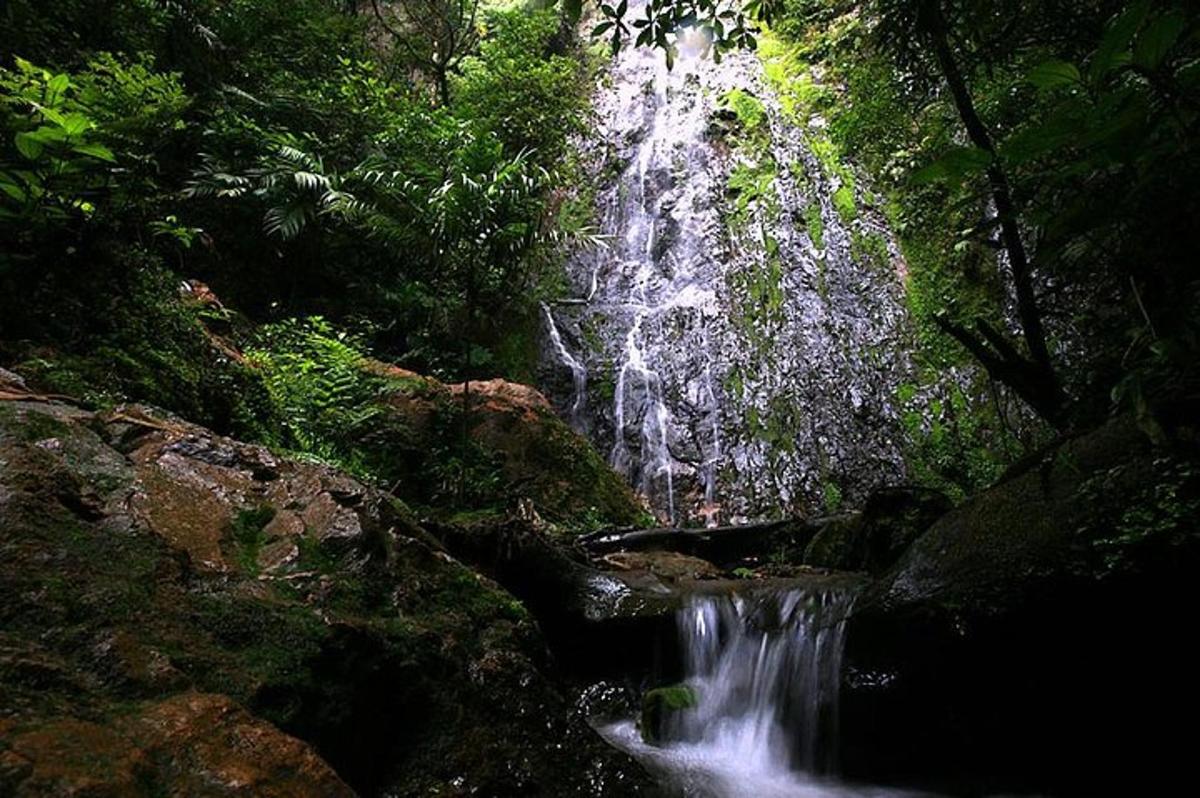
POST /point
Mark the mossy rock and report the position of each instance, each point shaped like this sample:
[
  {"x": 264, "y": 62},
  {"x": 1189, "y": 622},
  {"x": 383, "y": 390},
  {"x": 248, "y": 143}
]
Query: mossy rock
[
  {"x": 518, "y": 451},
  {"x": 660, "y": 706},
  {"x": 307, "y": 598}
]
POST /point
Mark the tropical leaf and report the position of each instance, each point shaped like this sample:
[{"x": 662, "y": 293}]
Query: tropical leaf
[
  {"x": 1055, "y": 74},
  {"x": 1114, "y": 48},
  {"x": 955, "y": 164},
  {"x": 1158, "y": 39}
]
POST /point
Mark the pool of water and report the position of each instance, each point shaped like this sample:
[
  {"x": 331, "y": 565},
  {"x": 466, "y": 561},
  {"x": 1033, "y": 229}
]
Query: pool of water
[{"x": 700, "y": 770}]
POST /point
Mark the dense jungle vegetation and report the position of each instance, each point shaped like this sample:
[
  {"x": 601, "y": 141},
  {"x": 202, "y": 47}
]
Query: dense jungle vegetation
[
  {"x": 222, "y": 207},
  {"x": 869, "y": 463}
]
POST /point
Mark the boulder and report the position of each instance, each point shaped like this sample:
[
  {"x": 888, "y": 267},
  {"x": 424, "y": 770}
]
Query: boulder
[
  {"x": 873, "y": 539},
  {"x": 1031, "y": 639},
  {"x": 192, "y": 744},
  {"x": 180, "y": 606},
  {"x": 660, "y": 706},
  {"x": 519, "y": 451}
]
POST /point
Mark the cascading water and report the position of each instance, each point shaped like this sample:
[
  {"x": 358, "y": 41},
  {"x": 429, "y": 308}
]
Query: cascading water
[
  {"x": 765, "y": 671},
  {"x": 578, "y": 372},
  {"x": 732, "y": 368}
]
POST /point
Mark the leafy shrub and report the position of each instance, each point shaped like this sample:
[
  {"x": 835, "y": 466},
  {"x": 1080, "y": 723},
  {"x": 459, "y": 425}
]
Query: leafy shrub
[
  {"x": 515, "y": 87},
  {"x": 77, "y": 152},
  {"x": 315, "y": 377}
]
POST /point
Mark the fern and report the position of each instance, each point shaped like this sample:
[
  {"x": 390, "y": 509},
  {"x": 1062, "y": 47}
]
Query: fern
[{"x": 315, "y": 377}]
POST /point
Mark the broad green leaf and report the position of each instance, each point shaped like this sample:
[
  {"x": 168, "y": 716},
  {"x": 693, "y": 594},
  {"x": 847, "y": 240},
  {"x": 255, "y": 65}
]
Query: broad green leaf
[
  {"x": 50, "y": 114},
  {"x": 1189, "y": 75},
  {"x": 49, "y": 135},
  {"x": 75, "y": 124},
  {"x": 13, "y": 190},
  {"x": 1114, "y": 47},
  {"x": 56, "y": 86},
  {"x": 1054, "y": 74},
  {"x": 1156, "y": 41},
  {"x": 954, "y": 164},
  {"x": 98, "y": 151},
  {"x": 29, "y": 146},
  {"x": 1058, "y": 130},
  {"x": 573, "y": 10}
]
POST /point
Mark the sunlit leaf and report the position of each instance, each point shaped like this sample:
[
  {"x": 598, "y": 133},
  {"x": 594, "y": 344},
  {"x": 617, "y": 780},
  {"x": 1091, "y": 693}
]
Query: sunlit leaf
[
  {"x": 98, "y": 151},
  {"x": 29, "y": 146}
]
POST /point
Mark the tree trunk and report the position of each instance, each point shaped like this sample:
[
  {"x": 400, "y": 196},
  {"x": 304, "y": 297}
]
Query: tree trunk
[
  {"x": 1032, "y": 378},
  {"x": 443, "y": 86},
  {"x": 465, "y": 442}
]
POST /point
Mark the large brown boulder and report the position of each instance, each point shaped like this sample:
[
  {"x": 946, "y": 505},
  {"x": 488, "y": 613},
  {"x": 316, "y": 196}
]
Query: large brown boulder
[
  {"x": 192, "y": 744},
  {"x": 179, "y": 602},
  {"x": 518, "y": 452}
]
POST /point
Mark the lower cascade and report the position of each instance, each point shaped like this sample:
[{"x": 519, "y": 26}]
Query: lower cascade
[{"x": 761, "y": 683}]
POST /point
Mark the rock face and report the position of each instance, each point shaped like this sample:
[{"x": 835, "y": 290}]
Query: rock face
[
  {"x": 736, "y": 349},
  {"x": 203, "y": 617},
  {"x": 1035, "y": 632}
]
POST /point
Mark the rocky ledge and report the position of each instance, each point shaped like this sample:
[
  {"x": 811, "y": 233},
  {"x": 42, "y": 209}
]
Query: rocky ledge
[{"x": 185, "y": 613}]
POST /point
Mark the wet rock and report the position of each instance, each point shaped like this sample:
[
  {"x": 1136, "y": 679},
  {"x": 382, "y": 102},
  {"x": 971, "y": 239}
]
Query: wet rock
[
  {"x": 659, "y": 707},
  {"x": 1033, "y": 631},
  {"x": 193, "y": 615},
  {"x": 193, "y": 744},
  {"x": 875, "y": 538},
  {"x": 677, "y": 324}
]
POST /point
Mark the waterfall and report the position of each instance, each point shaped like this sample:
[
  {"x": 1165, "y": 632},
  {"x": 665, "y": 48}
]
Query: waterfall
[
  {"x": 578, "y": 370},
  {"x": 734, "y": 368},
  {"x": 765, "y": 670},
  {"x": 767, "y": 675}
]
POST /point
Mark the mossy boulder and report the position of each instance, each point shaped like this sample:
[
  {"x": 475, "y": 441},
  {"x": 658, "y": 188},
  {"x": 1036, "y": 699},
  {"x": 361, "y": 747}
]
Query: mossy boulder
[
  {"x": 1036, "y": 629},
  {"x": 660, "y": 706},
  {"x": 517, "y": 453},
  {"x": 145, "y": 561},
  {"x": 873, "y": 539}
]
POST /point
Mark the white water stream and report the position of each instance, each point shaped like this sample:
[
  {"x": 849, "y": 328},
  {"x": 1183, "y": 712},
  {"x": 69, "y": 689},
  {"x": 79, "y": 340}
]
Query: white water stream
[{"x": 766, "y": 672}]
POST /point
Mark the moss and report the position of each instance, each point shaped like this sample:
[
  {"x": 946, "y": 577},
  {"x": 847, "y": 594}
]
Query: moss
[
  {"x": 143, "y": 344},
  {"x": 814, "y": 225},
  {"x": 870, "y": 249},
  {"x": 749, "y": 110},
  {"x": 248, "y": 535},
  {"x": 659, "y": 704},
  {"x": 843, "y": 201},
  {"x": 832, "y": 495},
  {"x": 751, "y": 186}
]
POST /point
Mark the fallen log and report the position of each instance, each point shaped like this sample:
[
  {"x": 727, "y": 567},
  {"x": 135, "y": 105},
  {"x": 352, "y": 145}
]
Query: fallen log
[{"x": 722, "y": 544}]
